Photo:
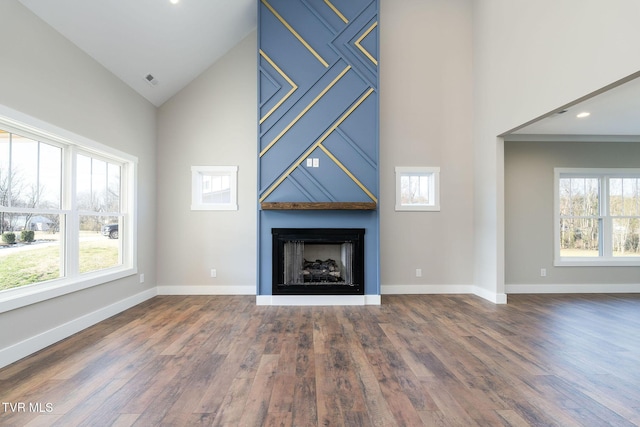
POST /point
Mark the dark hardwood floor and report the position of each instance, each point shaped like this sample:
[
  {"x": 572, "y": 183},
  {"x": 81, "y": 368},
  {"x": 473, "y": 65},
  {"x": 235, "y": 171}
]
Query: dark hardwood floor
[{"x": 415, "y": 360}]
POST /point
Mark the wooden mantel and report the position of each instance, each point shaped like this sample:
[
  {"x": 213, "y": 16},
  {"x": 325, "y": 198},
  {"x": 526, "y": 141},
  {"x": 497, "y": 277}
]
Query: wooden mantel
[{"x": 361, "y": 206}]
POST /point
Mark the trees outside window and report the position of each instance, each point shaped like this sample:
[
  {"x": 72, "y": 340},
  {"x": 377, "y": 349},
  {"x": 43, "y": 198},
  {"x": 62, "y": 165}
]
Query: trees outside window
[
  {"x": 597, "y": 216},
  {"x": 55, "y": 199},
  {"x": 417, "y": 188}
]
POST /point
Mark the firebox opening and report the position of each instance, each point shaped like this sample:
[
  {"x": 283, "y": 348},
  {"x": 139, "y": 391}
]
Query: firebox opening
[{"x": 318, "y": 261}]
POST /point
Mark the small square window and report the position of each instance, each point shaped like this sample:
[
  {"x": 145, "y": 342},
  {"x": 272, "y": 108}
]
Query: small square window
[
  {"x": 417, "y": 188},
  {"x": 214, "y": 188}
]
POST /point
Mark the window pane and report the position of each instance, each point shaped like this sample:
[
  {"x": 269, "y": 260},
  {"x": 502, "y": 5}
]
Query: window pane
[
  {"x": 415, "y": 189},
  {"x": 113, "y": 188},
  {"x": 579, "y": 237},
  {"x": 99, "y": 243},
  {"x": 624, "y": 196},
  {"x": 626, "y": 237},
  {"x": 24, "y": 172},
  {"x": 98, "y": 185},
  {"x": 216, "y": 188},
  {"x": 4, "y": 168},
  {"x": 579, "y": 196},
  {"x": 50, "y": 177},
  {"x": 83, "y": 182},
  {"x": 564, "y": 189},
  {"x": 30, "y": 250}
]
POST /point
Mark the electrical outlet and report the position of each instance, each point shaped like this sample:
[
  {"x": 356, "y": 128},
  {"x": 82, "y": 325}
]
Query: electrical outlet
[
  {"x": 543, "y": 272},
  {"x": 316, "y": 162},
  {"x": 142, "y": 278},
  {"x": 214, "y": 273},
  {"x": 309, "y": 163},
  {"x": 418, "y": 272}
]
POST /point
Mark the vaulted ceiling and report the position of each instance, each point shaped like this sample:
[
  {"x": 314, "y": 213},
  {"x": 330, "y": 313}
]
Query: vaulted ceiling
[
  {"x": 133, "y": 39},
  {"x": 174, "y": 43}
]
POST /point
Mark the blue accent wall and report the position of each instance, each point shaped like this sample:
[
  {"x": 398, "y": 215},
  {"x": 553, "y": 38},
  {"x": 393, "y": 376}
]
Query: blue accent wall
[{"x": 318, "y": 101}]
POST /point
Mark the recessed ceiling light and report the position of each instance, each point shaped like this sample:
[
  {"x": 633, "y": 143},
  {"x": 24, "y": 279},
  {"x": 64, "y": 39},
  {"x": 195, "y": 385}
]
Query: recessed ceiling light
[
  {"x": 174, "y": 1},
  {"x": 583, "y": 114}
]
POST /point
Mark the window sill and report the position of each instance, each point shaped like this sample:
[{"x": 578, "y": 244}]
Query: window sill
[
  {"x": 12, "y": 299},
  {"x": 600, "y": 262}
]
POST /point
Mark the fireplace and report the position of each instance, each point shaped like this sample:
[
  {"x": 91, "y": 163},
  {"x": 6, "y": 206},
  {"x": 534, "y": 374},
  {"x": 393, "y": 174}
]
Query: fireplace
[{"x": 318, "y": 261}]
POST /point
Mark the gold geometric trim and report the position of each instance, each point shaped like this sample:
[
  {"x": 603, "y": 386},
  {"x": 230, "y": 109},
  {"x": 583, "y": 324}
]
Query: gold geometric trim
[
  {"x": 284, "y": 98},
  {"x": 303, "y": 112},
  {"x": 335, "y": 9},
  {"x": 362, "y": 49},
  {"x": 290, "y": 28},
  {"x": 348, "y": 172},
  {"x": 316, "y": 145}
]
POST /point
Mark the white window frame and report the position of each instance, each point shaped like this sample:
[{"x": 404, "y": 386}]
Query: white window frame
[
  {"x": 606, "y": 259},
  {"x": 19, "y": 123},
  {"x": 433, "y": 175},
  {"x": 197, "y": 176}
]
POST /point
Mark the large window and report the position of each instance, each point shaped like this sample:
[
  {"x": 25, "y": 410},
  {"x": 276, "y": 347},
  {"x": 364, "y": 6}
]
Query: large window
[
  {"x": 66, "y": 212},
  {"x": 597, "y": 216}
]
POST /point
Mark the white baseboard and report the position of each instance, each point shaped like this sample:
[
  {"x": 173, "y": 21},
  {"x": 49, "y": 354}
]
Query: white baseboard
[
  {"x": 426, "y": 289},
  {"x": 29, "y": 346},
  {"x": 444, "y": 289},
  {"x": 372, "y": 299},
  {"x": 317, "y": 300},
  {"x": 623, "y": 288},
  {"x": 206, "y": 290}
]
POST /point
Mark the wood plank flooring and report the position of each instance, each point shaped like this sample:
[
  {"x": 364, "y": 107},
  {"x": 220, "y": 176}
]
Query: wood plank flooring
[{"x": 432, "y": 360}]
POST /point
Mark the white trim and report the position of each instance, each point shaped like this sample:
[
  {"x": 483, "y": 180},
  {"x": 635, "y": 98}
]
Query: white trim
[
  {"x": 426, "y": 289},
  {"x": 372, "y": 299},
  {"x": 23, "y": 124},
  {"x": 433, "y": 173},
  {"x": 197, "y": 174},
  {"x": 14, "y": 298},
  {"x": 496, "y": 298},
  {"x": 584, "y": 288},
  {"x": 493, "y": 297},
  {"x": 597, "y": 262},
  {"x": 317, "y": 300},
  {"x": 30, "y": 345},
  {"x": 604, "y": 217},
  {"x": 515, "y": 137},
  {"x": 206, "y": 290}
]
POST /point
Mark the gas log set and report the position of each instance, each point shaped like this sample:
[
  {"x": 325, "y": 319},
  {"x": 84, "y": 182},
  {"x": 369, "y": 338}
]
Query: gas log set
[{"x": 320, "y": 271}]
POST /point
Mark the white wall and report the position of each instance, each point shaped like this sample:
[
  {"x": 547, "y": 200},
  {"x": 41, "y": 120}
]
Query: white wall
[
  {"x": 530, "y": 58},
  {"x": 44, "y": 76},
  {"x": 425, "y": 120},
  {"x": 212, "y": 122}
]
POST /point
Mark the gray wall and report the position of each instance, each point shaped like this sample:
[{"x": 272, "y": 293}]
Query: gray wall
[
  {"x": 529, "y": 193},
  {"x": 212, "y": 122},
  {"x": 45, "y": 76},
  {"x": 426, "y": 96}
]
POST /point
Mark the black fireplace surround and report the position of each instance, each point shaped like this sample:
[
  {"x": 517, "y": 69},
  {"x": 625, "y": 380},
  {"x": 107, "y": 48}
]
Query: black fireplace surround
[{"x": 295, "y": 274}]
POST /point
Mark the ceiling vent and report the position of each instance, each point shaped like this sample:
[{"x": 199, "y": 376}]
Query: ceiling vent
[{"x": 151, "y": 80}]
